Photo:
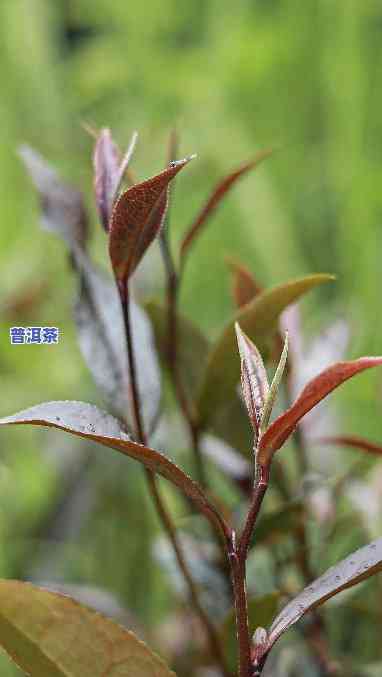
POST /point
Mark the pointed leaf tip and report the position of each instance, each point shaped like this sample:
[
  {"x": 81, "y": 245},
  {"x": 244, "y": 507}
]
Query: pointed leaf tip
[
  {"x": 254, "y": 380},
  {"x": 109, "y": 170},
  {"x": 315, "y": 391},
  {"x": 216, "y": 196},
  {"x": 268, "y": 406},
  {"x": 259, "y": 319},
  {"x": 137, "y": 219},
  {"x": 355, "y": 568}
]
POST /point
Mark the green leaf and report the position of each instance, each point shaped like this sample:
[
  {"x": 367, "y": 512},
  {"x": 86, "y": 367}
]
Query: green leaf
[
  {"x": 259, "y": 320},
  {"x": 268, "y": 406},
  {"x": 193, "y": 346},
  {"x": 261, "y": 610},
  {"x": 51, "y": 635}
]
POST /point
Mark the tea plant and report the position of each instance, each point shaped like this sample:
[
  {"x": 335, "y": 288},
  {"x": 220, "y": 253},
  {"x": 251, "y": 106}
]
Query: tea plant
[{"x": 48, "y": 634}]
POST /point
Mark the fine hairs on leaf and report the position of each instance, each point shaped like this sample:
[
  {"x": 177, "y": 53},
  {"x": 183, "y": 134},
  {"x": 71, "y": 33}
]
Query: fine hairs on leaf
[
  {"x": 275, "y": 385},
  {"x": 127, "y": 344},
  {"x": 137, "y": 218},
  {"x": 254, "y": 380},
  {"x": 109, "y": 169}
]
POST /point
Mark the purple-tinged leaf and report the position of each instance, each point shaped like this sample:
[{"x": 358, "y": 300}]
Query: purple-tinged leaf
[
  {"x": 244, "y": 285},
  {"x": 48, "y": 634},
  {"x": 137, "y": 218},
  {"x": 259, "y": 320},
  {"x": 279, "y": 431},
  {"x": 87, "y": 421},
  {"x": 219, "y": 192},
  {"x": 254, "y": 380},
  {"x": 62, "y": 205},
  {"x": 101, "y": 335},
  {"x": 353, "y": 441},
  {"x": 109, "y": 170},
  {"x": 106, "y": 162},
  {"x": 355, "y": 568}
]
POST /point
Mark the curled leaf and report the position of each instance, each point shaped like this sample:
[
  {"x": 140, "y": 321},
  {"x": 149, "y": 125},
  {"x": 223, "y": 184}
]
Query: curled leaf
[
  {"x": 137, "y": 218},
  {"x": 259, "y": 320},
  {"x": 63, "y": 209},
  {"x": 355, "y": 568},
  {"x": 254, "y": 380},
  {"x": 89, "y": 422},
  {"x": 318, "y": 388},
  {"x": 219, "y": 192},
  {"x": 271, "y": 398},
  {"x": 50, "y": 635}
]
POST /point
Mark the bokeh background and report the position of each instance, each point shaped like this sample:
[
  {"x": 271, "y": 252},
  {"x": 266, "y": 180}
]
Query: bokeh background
[{"x": 301, "y": 77}]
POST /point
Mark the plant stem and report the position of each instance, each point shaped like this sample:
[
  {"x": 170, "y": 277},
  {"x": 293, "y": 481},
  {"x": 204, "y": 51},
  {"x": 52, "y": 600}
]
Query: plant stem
[
  {"x": 260, "y": 488},
  {"x": 237, "y": 557},
  {"x": 316, "y": 633},
  {"x": 172, "y": 357},
  {"x": 163, "y": 514},
  {"x": 237, "y": 564}
]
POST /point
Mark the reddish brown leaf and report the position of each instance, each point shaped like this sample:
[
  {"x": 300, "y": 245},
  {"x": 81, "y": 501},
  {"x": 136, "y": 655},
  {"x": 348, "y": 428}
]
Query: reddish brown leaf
[
  {"x": 316, "y": 390},
  {"x": 244, "y": 285},
  {"x": 137, "y": 219},
  {"x": 254, "y": 380},
  {"x": 355, "y": 568},
  {"x": 108, "y": 172},
  {"x": 219, "y": 192},
  {"x": 89, "y": 422},
  {"x": 352, "y": 441}
]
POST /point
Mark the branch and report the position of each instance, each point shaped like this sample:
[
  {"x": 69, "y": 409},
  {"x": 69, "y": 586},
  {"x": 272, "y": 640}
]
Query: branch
[{"x": 160, "y": 507}]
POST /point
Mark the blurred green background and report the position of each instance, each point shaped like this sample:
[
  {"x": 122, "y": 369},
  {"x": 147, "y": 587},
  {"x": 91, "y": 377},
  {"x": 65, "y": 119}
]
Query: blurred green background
[{"x": 302, "y": 77}]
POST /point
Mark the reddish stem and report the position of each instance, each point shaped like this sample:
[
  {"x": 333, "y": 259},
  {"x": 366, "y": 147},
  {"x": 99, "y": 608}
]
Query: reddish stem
[{"x": 160, "y": 507}]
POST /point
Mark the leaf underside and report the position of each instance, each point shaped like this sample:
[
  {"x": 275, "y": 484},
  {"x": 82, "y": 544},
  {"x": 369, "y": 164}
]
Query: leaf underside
[
  {"x": 87, "y": 421},
  {"x": 355, "y": 568}
]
